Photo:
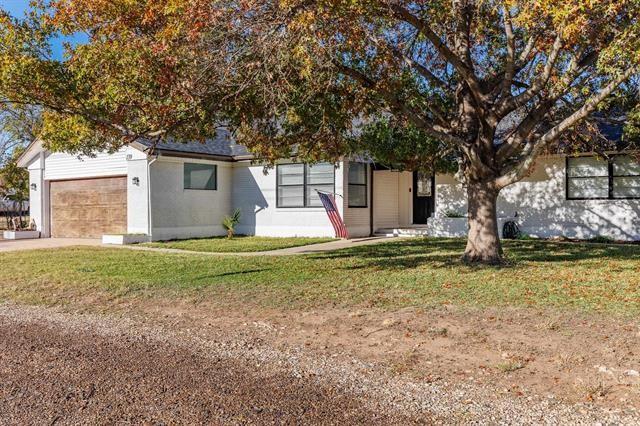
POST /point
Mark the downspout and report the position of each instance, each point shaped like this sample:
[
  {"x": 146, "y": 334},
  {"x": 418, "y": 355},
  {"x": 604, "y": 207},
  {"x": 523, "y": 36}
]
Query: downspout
[
  {"x": 371, "y": 203},
  {"x": 149, "y": 214}
]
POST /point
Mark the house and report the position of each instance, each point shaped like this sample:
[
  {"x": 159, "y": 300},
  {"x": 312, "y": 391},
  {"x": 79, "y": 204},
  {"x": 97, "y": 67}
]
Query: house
[{"x": 185, "y": 190}]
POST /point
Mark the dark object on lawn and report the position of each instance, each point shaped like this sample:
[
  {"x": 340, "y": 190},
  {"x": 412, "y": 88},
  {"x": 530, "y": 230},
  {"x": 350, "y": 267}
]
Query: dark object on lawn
[{"x": 511, "y": 230}]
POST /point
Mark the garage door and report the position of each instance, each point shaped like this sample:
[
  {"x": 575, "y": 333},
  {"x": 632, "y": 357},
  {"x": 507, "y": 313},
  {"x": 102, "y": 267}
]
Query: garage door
[{"x": 88, "y": 208}]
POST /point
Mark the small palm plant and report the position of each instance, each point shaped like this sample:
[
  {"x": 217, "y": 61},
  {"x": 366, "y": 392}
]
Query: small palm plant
[{"x": 229, "y": 223}]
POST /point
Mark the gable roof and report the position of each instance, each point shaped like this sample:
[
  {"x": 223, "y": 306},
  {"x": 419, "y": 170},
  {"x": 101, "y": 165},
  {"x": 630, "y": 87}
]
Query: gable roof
[
  {"x": 30, "y": 153},
  {"x": 223, "y": 145}
]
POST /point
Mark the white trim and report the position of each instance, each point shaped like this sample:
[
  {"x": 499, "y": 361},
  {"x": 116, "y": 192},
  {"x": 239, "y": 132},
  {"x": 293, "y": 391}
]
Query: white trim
[{"x": 149, "y": 210}]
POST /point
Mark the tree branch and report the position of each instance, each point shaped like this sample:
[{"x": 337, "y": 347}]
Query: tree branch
[
  {"x": 422, "y": 70},
  {"x": 533, "y": 148},
  {"x": 433, "y": 130},
  {"x": 537, "y": 114},
  {"x": 515, "y": 102},
  {"x": 445, "y": 52},
  {"x": 511, "y": 52}
]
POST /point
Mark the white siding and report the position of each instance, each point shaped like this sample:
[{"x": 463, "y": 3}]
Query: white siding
[
  {"x": 405, "y": 199},
  {"x": 392, "y": 199},
  {"x": 385, "y": 199},
  {"x": 38, "y": 198},
  {"x": 178, "y": 213},
  {"x": 59, "y": 165},
  {"x": 543, "y": 209},
  {"x": 254, "y": 193},
  {"x": 137, "y": 196},
  {"x": 357, "y": 219}
]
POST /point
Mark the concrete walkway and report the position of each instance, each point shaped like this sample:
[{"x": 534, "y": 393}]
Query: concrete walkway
[
  {"x": 49, "y": 243},
  {"x": 309, "y": 249},
  {"x": 45, "y": 243}
]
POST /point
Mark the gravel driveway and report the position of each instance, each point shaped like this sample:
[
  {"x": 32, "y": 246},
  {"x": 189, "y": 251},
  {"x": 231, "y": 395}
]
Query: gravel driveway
[
  {"x": 54, "y": 373},
  {"x": 58, "y": 368}
]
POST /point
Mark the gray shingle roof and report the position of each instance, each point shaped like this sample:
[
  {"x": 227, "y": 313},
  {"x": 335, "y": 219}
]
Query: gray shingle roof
[{"x": 223, "y": 145}]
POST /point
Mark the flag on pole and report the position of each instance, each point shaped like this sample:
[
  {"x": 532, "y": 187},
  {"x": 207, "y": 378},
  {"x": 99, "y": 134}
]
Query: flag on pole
[{"x": 329, "y": 203}]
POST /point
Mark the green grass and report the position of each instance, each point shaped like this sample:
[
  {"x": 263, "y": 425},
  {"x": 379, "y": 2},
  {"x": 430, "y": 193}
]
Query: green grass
[
  {"x": 237, "y": 244},
  {"x": 413, "y": 272}
]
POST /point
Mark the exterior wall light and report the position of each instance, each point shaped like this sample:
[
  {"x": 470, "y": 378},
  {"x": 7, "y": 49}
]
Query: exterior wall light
[
  {"x": 34, "y": 187},
  {"x": 136, "y": 181}
]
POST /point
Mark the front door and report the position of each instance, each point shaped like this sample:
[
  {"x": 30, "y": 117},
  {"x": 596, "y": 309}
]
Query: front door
[{"x": 423, "y": 199}]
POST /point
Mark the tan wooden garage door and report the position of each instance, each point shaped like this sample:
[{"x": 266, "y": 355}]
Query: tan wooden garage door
[{"x": 88, "y": 208}]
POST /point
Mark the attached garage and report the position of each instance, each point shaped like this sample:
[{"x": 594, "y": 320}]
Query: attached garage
[{"x": 88, "y": 208}]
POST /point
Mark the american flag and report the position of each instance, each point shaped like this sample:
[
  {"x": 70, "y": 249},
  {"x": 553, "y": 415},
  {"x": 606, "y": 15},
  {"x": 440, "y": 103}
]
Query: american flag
[{"x": 329, "y": 203}]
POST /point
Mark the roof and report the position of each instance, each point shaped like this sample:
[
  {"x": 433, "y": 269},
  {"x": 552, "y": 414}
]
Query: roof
[
  {"x": 611, "y": 131},
  {"x": 32, "y": 150},
  {"x": 223, "y": 145}
]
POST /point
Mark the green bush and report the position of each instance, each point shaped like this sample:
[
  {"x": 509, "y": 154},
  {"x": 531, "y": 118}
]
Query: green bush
[{"x": 229, "y": 223}]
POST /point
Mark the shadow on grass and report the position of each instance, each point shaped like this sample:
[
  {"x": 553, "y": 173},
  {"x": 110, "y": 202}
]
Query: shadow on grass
[
  {"x": 446, "y": 253},
  {"x": 233, "y": 273}
]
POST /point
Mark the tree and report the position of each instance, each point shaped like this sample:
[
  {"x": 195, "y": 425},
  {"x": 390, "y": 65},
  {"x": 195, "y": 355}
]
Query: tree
[
  {"x": 18, "y": 128},
  {"x": 14, "y": 185},
  {"x": 496, "y": 82},
  {"x": 491, "y": 83}
]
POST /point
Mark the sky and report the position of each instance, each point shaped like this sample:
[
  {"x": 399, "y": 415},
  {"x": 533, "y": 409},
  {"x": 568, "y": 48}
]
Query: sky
[{"x": 18, "y": 8}]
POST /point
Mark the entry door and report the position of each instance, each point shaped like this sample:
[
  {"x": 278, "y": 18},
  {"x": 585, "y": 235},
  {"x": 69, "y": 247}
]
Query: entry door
[{"x": 423, "y": 199}]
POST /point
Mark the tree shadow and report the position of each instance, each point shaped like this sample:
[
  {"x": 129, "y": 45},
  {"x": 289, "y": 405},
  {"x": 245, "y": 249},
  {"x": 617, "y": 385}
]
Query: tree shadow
[
  {"x": 232, "y": 273},
  {"x": 446, "y": 253}
]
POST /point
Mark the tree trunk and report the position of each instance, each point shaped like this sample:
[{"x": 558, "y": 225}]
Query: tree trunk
[{"x": 483, "y": 242}]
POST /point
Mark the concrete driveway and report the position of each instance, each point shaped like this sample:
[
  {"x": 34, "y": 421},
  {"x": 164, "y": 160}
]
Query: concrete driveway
[{"x": 45, "y": 243}]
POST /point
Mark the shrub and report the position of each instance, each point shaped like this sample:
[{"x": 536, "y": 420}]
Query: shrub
[
  {"x": 526, "y": 237},
  {"x": 601, "y": 239},
  {"x": 229, "y": 223},
  {"x": 453, "y": 213}
]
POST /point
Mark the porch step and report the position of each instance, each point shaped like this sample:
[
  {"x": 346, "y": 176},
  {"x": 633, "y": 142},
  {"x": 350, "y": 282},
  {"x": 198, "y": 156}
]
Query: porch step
[{"x": 417, "y": 231}]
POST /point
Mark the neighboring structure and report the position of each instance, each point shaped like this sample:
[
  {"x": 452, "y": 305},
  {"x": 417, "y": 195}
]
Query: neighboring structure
[
  {"x": 184, "y": 191},
  {"x": 9, "y": 207}
]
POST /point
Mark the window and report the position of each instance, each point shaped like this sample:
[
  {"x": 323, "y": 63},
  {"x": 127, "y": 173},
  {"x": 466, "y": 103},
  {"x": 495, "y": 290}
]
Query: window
[
  {"x": 297, "y": 184},
  {"x": 200, "y": 176},
  {"x": 596, "y": 179},
  {"x": 357, "y": 185},
  {"x": 625, "y": 177},
  {"x": 424, "y": 185},
  {"x": 587, "y": 177}
]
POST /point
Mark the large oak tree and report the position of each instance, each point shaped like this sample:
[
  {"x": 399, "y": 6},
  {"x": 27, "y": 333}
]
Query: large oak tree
[{"x": 489, "y": 83}]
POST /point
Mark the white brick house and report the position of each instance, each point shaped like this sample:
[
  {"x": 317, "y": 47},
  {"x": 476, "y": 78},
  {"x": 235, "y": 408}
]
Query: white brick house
[{"x": 184, "y": 190}]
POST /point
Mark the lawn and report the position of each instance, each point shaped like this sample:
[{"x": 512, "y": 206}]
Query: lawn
[
  {"x": 238, "y": 244},
  {"x": 416, "y": 272}
]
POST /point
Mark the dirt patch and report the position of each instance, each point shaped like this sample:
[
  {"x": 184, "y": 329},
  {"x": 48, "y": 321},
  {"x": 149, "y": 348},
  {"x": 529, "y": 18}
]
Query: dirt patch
[
  {"x": 575, "y": 358},
  {"x": 84, "y": 368},
  {"x": 53, "y": 376}
]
